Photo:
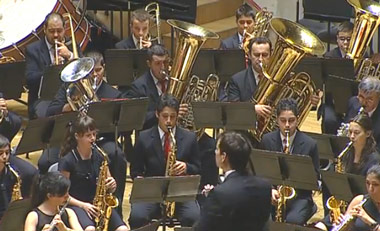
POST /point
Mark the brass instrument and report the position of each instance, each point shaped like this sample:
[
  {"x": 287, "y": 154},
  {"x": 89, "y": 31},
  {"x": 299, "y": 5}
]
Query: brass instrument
[
  {"x": 199, "y": 91},
  {"x": 343, "y": 129},
  {"x": 348, "y": 220},
  {"x": 366, "y": 22},
  {"x": 16, "y": 190},
  {"x": 103, "y": 200},
  {"x": 154, "y": 9},
  {"x": 291, "y": 42},
  {"x": 190, "y": 38},
  {"x": 335, "y": 205},
  {"x": 170, "y": 162},
  {"x": 368, "y": 68},
  {"x": 80, "y": 91},
  {"x": 286, "y": 193},
  {"x": 7, "y": 59},
  {"x": 60, "y": 213}
]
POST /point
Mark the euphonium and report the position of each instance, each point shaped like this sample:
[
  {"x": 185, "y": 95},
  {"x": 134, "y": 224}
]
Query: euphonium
[
  {"x": 199, "y": 91},
  {"x": 337, "y": 206},
  {"x": 366, "y": 22},
  {"x": 170, "y": 162},
  {"x": 190, "y": 38},
  {"x": 103, "y": 200},
  {"x": 154, "y": 9},
  {"x": 348, "y": 220},
  {"x": 16, "y": 191},
  {"x": 286, "y": 193},
  {"x": 291, "y": 42},
  {"x": 368, "y": 68}
]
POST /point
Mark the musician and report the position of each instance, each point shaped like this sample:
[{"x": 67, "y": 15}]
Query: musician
[
  {"x": 139, "y": 38},
  {"x": 241, "y": 201},
  {"x": 60, "y": 105},
  {"x": 245, "y": 20},
  {"x": 368, "y": 97},
  {"x": 81, "y": 164},
  {"x": 50, "y": 192},
  {"x": 149, "y": 160},
  {"x": 41, "y": 54},
  {"x": 302, "y": 207},
  {"x": 343, "y": 37},
  {"x": 367, "y": 214}
]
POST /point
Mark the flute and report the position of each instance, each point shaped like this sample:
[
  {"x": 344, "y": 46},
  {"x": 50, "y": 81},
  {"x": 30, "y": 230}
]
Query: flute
[{"x": 52, "y": 223}]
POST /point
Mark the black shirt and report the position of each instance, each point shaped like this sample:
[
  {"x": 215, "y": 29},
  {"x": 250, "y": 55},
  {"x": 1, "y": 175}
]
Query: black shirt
[{"x": 44, "y": 219}]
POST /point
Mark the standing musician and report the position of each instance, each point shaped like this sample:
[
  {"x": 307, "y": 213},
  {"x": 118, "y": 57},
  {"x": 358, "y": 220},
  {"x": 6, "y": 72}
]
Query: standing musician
[
  {"x": 302, "y": 207},
  {"x": 241, "y": 201},
  {"x": 363, "y": 208},
  {"x": 149, "y": 159},
  {"x": 50, "y": 192},
  {"x": 245, "y": 21},
  {"x": 81, "y": 164},
  {"x": 368, "y": 97},
  {"x": 139, "y": 38},
  {"x": 41, "y": 54}
]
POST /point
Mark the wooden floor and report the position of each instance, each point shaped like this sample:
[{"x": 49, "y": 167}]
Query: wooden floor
[{"x": 311, "y": 125}]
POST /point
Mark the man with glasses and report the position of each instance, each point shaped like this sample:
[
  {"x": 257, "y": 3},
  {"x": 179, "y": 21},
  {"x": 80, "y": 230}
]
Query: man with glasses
[
  {"x": 368, "y": 97},
  {"x": 343, "y": 37}
]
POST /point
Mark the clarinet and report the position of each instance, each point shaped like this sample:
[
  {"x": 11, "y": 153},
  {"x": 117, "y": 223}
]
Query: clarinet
[{"x": 61, "y": 211}]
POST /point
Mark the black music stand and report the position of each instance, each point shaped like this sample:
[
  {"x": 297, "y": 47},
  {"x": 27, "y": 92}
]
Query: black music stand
[
  {"x": 132, "y": 114},
  {"x": 161, "y": 189},
  {"x": 124, "y": 66},
  {"x": 292, "y": 170},
  {"x": 12, "y": 76},
  {"x": 329, "y": 146},
  {"x": 15, "y": 215},
  {"x": 61, "y": 123},
  {"x": 276, "y": 226},
  {"x": 104, "y": 113},
  {"x": 151, "y": 227},
  {"x": 50, "y": 82}
]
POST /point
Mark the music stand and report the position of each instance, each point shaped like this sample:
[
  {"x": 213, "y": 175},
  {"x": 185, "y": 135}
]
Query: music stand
[
  {"x": 132, "y": 114},
  {"x": 11, "y": 80},
  {"x": 338, "y": 185},
  {"x": 275, "y": 226},
  {"x": 151, "y": 227},
  {"x": 104, "y": 113},
  {"x": 50, "y": 82},
  {"x": 312, "y": 66},
  {"x": 161, "y": 189},
  {"x": 124, "y": 66},
  {"x": 207, "y": 115},
  {"x": 15, "y": 215}
]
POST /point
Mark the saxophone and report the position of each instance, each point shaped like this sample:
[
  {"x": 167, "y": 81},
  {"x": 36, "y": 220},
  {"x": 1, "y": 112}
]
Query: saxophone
[
  {"x": 336, "y": 206},
  {"x": 16, "y": 191},
  {"x": 348, "y": 220},
  {"x": 103, "y": 200},
  {"x": 286, "y": 192},
  {"x": 170, "y": 206}
]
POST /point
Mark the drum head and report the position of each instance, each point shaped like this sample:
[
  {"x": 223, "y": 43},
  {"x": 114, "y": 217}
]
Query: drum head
[{"x": 20, "y": 18}]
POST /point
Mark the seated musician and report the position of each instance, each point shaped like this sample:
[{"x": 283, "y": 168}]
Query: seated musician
[
  {"x": 81, "y": 164},
  {"x": 50, "y": 192},
  {"x": 365, "y": 208},
  {"x": 149, "y": 159},
  {"x": 368, "y": 98},
  {"x": 42, "y": 54},
  {"x": 139, "y": 38},
  {"x": 60, "y": 105},
  {"x": 302, "y": 207},
  {"x": 343, "y": 37},
  {"x": 241, "y": 201}
]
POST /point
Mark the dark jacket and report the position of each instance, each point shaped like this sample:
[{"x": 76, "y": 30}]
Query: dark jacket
[
  {"x": 127, "y": 43},
  {"x": 242, "y": 86},
  {"x": 231, "y": 42}
]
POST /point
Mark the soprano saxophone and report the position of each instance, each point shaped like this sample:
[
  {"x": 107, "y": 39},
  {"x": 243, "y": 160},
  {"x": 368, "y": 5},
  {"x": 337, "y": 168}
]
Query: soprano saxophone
[{"x": 170, "y": 162}]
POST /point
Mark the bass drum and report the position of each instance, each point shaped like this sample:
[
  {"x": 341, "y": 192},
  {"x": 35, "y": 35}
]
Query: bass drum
[{"x": 21, "y": 23}]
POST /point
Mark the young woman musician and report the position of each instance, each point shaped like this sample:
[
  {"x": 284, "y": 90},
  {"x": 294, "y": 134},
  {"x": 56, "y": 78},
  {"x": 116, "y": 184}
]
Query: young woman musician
[
  {"x": 51, "y": 191},
  {"x": 81, "y": 164}
]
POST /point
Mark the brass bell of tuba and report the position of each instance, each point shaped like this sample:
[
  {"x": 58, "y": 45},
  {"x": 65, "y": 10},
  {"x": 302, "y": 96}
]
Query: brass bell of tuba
[
  {"x": 189, "y": 39},
  {"x": 291, "y": 42},
  {"x": 80, "y": 91}
]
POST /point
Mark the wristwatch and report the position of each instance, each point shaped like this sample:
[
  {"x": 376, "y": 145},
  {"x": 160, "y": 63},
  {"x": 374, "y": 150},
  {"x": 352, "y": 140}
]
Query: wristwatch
[{"x": 373, "y": 225}]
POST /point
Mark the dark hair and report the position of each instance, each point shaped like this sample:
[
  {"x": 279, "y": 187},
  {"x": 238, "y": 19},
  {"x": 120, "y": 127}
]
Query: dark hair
[
  {"x": 375, "y": 169},
  {"x": 82, "y": 125},
  {"x": 260, "y": 40},
  {"x": 167, "y": 100},
  {"x": 54, "y": 15},
  {"x": 4, "y": 142},
  {"x": 140, "y": 15},
  {"x": 245, "y": 10},
  {"x": 345, "y": 27},
  {"x": 237, "y": 149},
  {"x": 365, "y": 123},
  {"x": 287, "y": 104},
  {"x": 158, "y": 50},
  {"x": 96, "y": 56},
  {"x": 52, "y": 182}
]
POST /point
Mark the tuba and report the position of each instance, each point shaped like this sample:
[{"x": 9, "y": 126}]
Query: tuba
[
  {"x": 291, "y": 42},
  {"x": 16, "y": 191},
  {"x": 367, "y": 20},
  {"x": 190, "y": 38},
  {"x": 103, "y": 200},
  {"x": 154, "y": 10},
  {"x": 170, "y": 162},
  {"x": 336, "y": 206},
  {"x": 368, "y": 68}
]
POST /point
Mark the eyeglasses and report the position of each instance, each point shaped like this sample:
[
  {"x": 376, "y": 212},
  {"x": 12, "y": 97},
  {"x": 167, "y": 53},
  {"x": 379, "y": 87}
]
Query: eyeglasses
[
  {"x": 243, "y": 22},
  {"x": 342, "y": 39}
]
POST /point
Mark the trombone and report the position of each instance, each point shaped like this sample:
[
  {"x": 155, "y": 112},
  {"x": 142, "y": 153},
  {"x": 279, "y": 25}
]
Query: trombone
[
  {"x": 154, "y": 10},
  {"x": 73, "y": 41}
]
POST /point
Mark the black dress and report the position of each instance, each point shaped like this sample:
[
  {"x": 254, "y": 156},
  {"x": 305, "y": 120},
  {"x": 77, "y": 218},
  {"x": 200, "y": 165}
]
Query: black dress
[
  {"x": 44, "y": 219},
  {"x": 83, "y": 177}
]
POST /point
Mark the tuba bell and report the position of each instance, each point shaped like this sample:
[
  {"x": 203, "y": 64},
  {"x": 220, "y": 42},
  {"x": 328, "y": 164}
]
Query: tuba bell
[{"x": 291, "y": 42}]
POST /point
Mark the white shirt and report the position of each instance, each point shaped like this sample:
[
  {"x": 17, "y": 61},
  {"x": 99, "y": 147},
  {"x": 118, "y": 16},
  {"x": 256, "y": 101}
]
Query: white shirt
[
  {"x": 158, "y": 84},
  {"x": 291, "y": 139},
  {"x": 257, "y": 79},
  {"x": 135, "y": 41},
  {"x": 51, "y": 49},
  {"x": 240, "y": 40},
  {"x": 162, "y": 135},
  {"x": 371, "y": 112}
]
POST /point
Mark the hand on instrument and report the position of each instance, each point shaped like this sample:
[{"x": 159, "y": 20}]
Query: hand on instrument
[
  {"x": 63, "y": 51},
  {"x": 67, "y": 108},
  {"x": 275, "y": 196},
  {"x": 91, "y": 210},
  {"x": 263, "y": 110},
  {"x": 316, "y": 98},
  {"x": 111, "y": 184},
  {"x": 206, "y": 190},
  {"x": 3, "y": 106},
  {"x": 183, "y": 110},
  {"x": 58, "y": 224},
  {"x": 179, "y": 168},
  {"x": 146, "y": 43},
  {"x": 359, "y": 212}
]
